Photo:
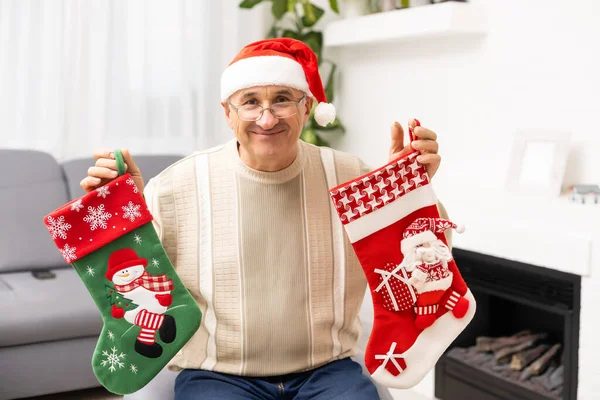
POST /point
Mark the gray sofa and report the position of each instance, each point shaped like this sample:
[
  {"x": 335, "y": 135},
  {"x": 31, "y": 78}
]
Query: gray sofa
[{"x": 50, "y": 324}]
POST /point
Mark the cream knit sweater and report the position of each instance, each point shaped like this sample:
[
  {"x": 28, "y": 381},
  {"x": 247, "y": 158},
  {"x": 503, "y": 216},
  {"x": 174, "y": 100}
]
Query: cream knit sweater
[{"x": 265, "y": 257}]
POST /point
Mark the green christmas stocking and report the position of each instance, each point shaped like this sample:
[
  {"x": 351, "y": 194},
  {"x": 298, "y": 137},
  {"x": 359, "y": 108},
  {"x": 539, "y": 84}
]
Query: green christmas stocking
[{"x": 108, "y": 237}]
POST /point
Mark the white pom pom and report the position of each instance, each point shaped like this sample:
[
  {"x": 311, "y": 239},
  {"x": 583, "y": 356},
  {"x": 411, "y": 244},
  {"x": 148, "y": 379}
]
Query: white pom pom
[
  {"x": 460, "y": 228},
  {"x": 324, "y": 113}
]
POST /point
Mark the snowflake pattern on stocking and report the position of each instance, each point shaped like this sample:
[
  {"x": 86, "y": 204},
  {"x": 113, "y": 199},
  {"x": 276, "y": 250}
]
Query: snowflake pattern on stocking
[
  {"x": 131, "y": 182},
  {"x": 97, "y": 217},
  {"x": 90, "y": 271},
  {"x": 133, "y": 368},
  {"x": 131, "y": 211},
  {"x": 76, "y": 206},
  {"x": 113, "y": 359},
  {"x": 68, "y": 253},
  {"x": 443, "y": 225},
  {"x": 438, "y": 273},
  {"x": 103, "y": 191},
  {"x": 137, "y": 239},
  {"x": 58, "y": 227}
]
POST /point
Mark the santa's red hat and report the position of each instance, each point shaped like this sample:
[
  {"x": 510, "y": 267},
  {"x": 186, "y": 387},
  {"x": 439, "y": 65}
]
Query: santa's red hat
[
  {"x": 280, "y": 62},
  {"x": 423, "y": 230},
  {"x": 121, "y": 259}
]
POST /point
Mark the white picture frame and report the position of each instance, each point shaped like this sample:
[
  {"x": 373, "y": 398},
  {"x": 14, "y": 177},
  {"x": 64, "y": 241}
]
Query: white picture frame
[{"x": 537, "y": 163}]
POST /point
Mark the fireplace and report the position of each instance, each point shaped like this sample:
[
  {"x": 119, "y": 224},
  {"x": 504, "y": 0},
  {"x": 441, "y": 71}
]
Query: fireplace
[{"x": 525, "y": 315}]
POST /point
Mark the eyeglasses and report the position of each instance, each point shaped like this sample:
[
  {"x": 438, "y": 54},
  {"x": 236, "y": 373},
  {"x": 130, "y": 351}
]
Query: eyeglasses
[{"x": 254, "y": 112}]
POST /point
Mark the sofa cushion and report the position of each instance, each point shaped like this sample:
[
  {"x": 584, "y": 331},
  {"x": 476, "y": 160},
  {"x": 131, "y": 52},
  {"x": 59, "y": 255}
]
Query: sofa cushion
[
  {"x": 150, "y": 165},
  {"x": 35, "y": 370},
  {"x": 31, "y": 186},
  {"x": 43, "y": 310}
]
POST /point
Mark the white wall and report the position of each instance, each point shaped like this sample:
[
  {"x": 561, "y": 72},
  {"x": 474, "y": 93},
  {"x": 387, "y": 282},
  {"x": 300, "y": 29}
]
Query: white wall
[{"x": 536, "y": 69}]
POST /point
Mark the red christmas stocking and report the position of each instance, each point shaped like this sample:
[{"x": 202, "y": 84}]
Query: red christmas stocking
[{"x": 421, "y": 303}]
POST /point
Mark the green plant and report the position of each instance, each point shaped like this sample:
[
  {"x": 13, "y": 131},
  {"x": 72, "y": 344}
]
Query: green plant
[{"x": 296, "y": 19}]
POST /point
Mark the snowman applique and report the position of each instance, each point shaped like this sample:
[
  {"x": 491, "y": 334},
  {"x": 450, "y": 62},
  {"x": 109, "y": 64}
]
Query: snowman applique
[{"x": 142, "y": 300}]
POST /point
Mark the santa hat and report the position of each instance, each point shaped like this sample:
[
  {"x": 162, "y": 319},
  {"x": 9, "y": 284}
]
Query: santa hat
[
  {"x": 121, "y": 259},
  {"x": 280, "y": 62},
  {"x": 423, "y": 230}
]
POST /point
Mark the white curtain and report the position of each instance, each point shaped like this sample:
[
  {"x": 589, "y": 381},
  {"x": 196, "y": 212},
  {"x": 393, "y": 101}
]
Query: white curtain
[{"x": 76, "y": 75}]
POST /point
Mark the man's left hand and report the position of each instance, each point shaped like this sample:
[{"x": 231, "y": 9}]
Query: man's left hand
[{"x": 425, "y": 141}]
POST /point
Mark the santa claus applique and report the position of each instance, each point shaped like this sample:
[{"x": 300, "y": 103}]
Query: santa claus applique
[
  {"x": 426, "y": 257},
  {"x": 141, "y": 299}
]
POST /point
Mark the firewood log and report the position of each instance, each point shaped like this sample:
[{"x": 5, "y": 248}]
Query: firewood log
[
  {"x": 504, "y": 354},
  {"x": 524, "y": 358},
  {"x": 540, "y": 365},
  {"x": 515, "y": 340},
  {"x": 484, "y": 343}
]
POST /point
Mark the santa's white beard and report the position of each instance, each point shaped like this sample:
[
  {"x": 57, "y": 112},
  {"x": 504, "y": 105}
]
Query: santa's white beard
[{"x": 437, "y": 251}]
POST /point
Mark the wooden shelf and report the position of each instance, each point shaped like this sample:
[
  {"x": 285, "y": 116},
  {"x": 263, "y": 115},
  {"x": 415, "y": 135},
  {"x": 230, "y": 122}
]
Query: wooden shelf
[{"x": 428, "y": 21}]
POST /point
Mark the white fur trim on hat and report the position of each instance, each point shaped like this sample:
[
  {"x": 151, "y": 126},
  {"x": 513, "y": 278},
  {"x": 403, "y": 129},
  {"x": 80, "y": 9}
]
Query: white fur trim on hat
[
  {"x": 263, "y": 71},
  {"x": 419, "y": 238}
]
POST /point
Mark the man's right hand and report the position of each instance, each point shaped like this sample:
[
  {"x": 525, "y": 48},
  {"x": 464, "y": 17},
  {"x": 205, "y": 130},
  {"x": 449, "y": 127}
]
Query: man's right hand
[{"x": 105, "y": 170}]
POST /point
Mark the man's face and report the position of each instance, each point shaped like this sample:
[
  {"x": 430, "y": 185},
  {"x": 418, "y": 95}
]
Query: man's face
[{"x": 269, "y": 137}]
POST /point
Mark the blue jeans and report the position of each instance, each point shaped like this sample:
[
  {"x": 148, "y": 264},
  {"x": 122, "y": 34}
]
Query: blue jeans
[{"x": 341, "y": 379}]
